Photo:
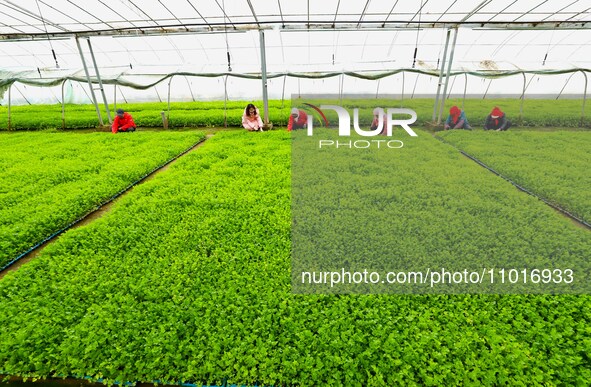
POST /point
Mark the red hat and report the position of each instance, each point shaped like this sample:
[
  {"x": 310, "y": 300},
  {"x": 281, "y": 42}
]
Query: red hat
[
  {"x": 496, "y": 113},
  {"x": 454, "y": 111}
]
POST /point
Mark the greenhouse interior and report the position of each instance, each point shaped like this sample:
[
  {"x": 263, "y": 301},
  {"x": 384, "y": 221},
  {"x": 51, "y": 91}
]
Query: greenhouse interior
[{"x": 164, "y": 222}]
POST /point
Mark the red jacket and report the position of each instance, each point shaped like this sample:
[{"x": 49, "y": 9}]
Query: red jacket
[
  {"x": 298, "y": 123},
  {"x": 122, "y": 124}
]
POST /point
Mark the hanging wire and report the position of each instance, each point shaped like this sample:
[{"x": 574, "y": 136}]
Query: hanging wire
[
  {"x": 440, "y": 45},
  {"x": 47, "y": 33},
  {"x": 548, "y": 49},
  {"x": 226, "y": 36},
  {"x": 414, "y": 59}
]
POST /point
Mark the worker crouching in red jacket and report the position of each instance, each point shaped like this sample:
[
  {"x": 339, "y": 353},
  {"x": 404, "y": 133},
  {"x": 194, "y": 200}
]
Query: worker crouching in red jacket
[
  {"x": 297, "y": 120},
  {"x": 123, "y": 122}
]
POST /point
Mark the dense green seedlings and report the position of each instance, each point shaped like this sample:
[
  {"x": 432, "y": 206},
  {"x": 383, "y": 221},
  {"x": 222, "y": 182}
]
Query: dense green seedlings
[{"x": 48, "y": 180}]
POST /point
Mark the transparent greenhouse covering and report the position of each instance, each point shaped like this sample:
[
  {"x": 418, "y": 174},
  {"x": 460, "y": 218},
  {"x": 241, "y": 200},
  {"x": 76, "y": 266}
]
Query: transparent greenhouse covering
[{"x": 211, "y": 49}]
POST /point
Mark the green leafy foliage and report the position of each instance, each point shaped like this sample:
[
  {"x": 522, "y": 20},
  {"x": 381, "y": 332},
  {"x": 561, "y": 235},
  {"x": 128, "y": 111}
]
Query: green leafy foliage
[
  {"x": 537, "y": 113},
  {"x": 553, "y": 165},
  {"x": 182, "y": 114},
  {"x": 187, "y": 279},
  {"x": 48, "y": 180}
]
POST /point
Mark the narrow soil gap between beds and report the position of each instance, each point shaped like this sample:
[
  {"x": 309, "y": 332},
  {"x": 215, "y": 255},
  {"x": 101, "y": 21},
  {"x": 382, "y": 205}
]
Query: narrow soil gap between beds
[{"x": 99, "y": 212}]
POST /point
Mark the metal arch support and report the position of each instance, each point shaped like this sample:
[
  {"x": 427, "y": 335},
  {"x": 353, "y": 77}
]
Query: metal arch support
[
  {"x": 402, "y": 91},
  {"x": 584, "y": 99},
  {"x": 378, "y": 88},
  {"x": 98, "y": 77},
  {"x": 63, "y": 105},
  {"x": 264, "y": 78},
  {"x": 9, "y": 104},
  {"x": 98, "y": 111},
  {"x": 168, "y": 99},
  {"x": 225, "y": 101},
  {"x": 449, "y": 64},
  {"x": 522, "y": 98},
  {"x": 465, "y": 88},
  {"x": 439, "y": 83},
  {"x": 283, "y": 91},
  {"x": 100, "y": 82}
]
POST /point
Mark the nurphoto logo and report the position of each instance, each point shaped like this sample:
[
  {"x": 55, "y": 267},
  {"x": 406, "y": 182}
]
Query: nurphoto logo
[{"x": 385, "y": 121}]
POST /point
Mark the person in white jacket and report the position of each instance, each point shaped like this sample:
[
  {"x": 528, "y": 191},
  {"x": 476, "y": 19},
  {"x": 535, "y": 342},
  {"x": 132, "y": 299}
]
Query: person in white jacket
[{"x": 251, "y": 119}]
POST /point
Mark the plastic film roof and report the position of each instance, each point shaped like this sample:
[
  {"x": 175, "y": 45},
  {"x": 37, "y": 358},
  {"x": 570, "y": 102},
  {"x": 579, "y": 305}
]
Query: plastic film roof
[{"x": 141, "y": 43}]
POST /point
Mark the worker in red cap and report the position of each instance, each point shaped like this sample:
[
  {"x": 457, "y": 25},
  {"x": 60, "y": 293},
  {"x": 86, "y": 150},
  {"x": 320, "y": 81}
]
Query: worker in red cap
[
  {"x": 497, "y": 120},
  {"x": 376, "y": 120},
  {"x": 456, "y": 119},
  {"x": 297, "y": 120},
  {"x": 123, "y": 122}
]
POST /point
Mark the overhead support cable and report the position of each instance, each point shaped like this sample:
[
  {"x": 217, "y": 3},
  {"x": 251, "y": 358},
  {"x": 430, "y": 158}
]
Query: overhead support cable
[
  {"x": 445, "y": 12},
  {"x": 336, "y": 12},
  {"x": 66, "y": 15},
  {"x": 198, "y": 13},
  {"x": 116, "y": 13},
  {"x": 156, "y": 24},
  {"x": 525, "y": 13},
  {"x": 580, "y": 13},
  {"x": 548, "y": 49},
  {"x": 308, "y": 7},
  {"x": 281, "y": 13},
  {"x": 48, "y": 38},
  {"x": 226, "y": 35},
  {"x": 172, "y": 13},
  {"x": 363, "y": 13},
  {"x": 503, "y": 10},
  {"x": 560, "y": 10},
  {"x": 389, "y": 13},
  {"x": 223, "y": 8},
  {"x": 15, "y": 7},
  {"x": 414, "y": 59},
  {"x": 256, "y": 19}
]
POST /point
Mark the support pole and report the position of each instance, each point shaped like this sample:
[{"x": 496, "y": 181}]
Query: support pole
[
  {"x": 465, "y": 88},
  {"x": 564, "y": 87},
  {"x": 414, "y": 88},
  {"x": 190, "y": 90},
  {"x": 341, "y": 86},
  {"x": 283, "y": 91},
  {"x": 449, "y": 64},
  {"x": 436, "y": 104},
  {"x": 9, "y": 103},
  {"x": 264, "y": 79},
  {"x": 168, "y": 99},
  {"x": 402, "y": 94},
  {"x": 584, "y": 99},
  {"x": 63, "y": 106},
  {"x": 115, "y": 97},
  {"x": 225, "y": 101},
  {"x": 100, "y": 82},
  {"x": 378, "y": 88},
  {"x": 522, "y": 99},
  {"x": 98, "y": 111}
]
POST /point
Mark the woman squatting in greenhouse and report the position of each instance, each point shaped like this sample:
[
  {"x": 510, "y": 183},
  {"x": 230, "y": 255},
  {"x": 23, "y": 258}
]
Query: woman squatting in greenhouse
[
  {"x": 456, "y": 119},
  {"x": 497, "y": 120},
  {"x": 251, "y": 119}
]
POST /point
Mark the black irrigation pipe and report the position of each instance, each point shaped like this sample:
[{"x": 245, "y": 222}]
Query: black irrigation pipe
[
  {"x": 519, "y": 187},
  {"x": 99, "y": 206}
]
